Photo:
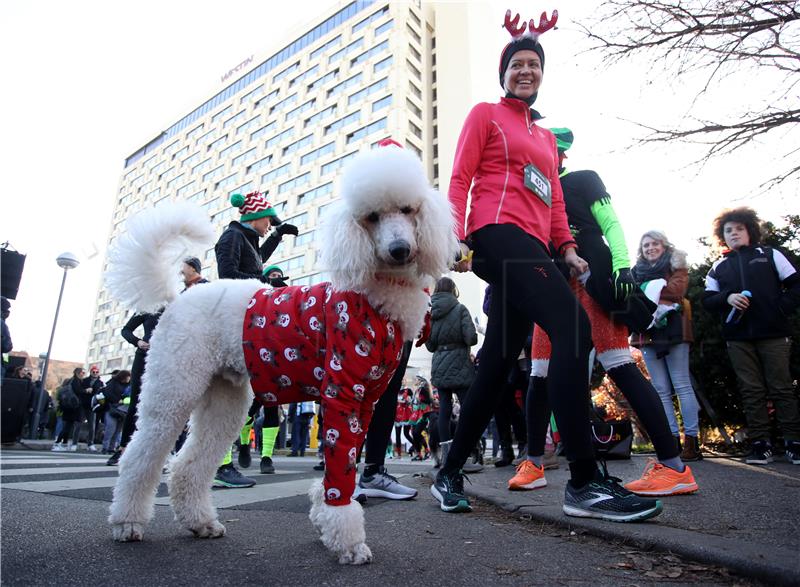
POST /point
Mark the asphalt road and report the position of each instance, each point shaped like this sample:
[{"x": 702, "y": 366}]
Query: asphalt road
[{"x": 54, "y": 532}]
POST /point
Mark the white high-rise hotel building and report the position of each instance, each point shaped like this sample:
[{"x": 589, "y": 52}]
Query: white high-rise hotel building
[{"x": 286, "y": 123}]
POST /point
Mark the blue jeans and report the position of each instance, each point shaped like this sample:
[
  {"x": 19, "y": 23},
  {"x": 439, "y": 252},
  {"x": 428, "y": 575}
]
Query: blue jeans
[
  {"x": 113, "y": 431},
  {"x": 669, "y": 373},
  {"x": 300, "y": 433}
]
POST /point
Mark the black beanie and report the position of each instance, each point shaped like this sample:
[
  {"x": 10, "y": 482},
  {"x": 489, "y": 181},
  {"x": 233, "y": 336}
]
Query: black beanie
[
  {"x": 194, "y": 263},
  {"x": 521, "y": 44}
]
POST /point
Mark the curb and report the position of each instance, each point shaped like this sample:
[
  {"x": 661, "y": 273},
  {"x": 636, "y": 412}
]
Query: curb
[{"x": 775, "y": 566}]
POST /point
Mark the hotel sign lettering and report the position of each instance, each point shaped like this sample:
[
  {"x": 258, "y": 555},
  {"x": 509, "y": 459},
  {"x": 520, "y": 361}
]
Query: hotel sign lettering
[{"x": 238, "y": 68}]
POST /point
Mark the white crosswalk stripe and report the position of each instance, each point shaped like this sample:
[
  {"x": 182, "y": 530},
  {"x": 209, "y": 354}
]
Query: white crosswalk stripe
[
  {"x": 225, "y": 498},
  {"x": 82, "y": 472},
  {"x": 52, "y": 461}
]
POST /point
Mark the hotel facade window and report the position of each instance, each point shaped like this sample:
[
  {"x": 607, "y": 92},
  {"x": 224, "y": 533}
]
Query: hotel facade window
[{"x": 287, "y": 126}]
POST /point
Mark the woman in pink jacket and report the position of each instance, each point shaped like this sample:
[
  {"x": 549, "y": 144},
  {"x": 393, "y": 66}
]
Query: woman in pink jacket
[{"x": 517, "y": 208}]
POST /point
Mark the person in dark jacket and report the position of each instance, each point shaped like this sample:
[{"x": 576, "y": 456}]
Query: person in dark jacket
[
  {"x": 115, "y": 408},
  {"x": 5, "y": 335},
  {"x": 85, "y": 410},
  {"x": 148, "y": 323},
  {"x": 452, "y": 336},
  {"x": 601, "y": 240},
  {"x": 239, "y": 256},
  {"x": 70, "y": 414},
  {"x": 91, "y": 386},
  {"x": 275, "y": 277},
  {"x": 191, "y": 273},
  {"x": 755, "y": 289}
]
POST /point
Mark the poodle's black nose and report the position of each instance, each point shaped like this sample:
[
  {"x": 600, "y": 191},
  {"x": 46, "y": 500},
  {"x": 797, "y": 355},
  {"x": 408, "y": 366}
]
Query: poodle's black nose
[{"x": 399, "y": 250}]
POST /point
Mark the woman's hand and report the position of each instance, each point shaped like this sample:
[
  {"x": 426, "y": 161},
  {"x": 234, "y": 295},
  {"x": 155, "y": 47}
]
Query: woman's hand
[
  {"x": 577, "y": 264},
  {"x": 143, "y": 345},
  {"x": 739, "y": 301},
  {"x": 464, "y": 264}
]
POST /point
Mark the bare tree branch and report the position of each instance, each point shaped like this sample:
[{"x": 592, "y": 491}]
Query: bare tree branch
[{"x": 716, "y": 38}]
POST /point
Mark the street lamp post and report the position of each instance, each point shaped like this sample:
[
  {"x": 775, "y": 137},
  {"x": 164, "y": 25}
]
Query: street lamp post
[{"x": 66, "y": 261}]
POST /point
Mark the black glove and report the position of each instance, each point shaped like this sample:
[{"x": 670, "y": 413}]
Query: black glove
[
  {"x": 284, "y": 229},
  {"x": 624, "y": 283}
]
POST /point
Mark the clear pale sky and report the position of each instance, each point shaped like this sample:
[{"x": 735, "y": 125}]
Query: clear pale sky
[{"x": 86, "y": 83}]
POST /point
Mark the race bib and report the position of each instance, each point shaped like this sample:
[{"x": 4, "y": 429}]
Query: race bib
[{"x": 538, "y": 184}]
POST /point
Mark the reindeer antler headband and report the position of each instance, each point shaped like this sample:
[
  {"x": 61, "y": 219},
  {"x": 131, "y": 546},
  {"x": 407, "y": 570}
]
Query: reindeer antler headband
[
  {"x": 534, "y": 31},
  {"x": 525, "y": 37}
]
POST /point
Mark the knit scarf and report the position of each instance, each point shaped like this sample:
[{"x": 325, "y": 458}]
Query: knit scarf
[{"x": 646, "y": 271}]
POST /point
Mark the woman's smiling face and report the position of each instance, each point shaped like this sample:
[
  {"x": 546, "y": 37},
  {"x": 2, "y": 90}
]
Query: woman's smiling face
[
  {"x": 652, "y": 249},
  {"x": 523, "y": 75}
]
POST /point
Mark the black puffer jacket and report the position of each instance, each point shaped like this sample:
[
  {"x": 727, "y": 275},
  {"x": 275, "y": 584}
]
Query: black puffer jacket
[
  {"x": 773, "y": 282},
  {"x": 238, "y": 253},
  {"x": 452, "y": 335},
  {"x": 113, "y": 392}
]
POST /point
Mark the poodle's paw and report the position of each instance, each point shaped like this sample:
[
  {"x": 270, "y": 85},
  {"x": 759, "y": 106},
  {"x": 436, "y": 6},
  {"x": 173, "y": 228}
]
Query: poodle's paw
[
  {"x": 358, "y": 554},
  {"x": 128, "y": 532},
  {"x": 213, "y": 529}
]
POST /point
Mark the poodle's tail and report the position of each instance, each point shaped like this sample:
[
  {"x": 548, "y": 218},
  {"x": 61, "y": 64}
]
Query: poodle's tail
[{"x": 144, "y": 260}]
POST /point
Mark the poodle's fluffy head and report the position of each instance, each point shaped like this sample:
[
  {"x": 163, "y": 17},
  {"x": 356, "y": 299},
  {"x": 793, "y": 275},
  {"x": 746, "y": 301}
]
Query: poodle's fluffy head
[{"x": 390, "y": 223}]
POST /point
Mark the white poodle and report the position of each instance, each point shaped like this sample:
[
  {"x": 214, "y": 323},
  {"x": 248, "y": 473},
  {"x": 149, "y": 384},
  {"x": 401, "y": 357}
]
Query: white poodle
[{"x": 388, "y": 238}]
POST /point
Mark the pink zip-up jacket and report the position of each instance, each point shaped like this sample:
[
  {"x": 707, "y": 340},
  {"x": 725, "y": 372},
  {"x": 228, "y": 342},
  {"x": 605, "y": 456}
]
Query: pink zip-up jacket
[{"x": 496, "y": 143}]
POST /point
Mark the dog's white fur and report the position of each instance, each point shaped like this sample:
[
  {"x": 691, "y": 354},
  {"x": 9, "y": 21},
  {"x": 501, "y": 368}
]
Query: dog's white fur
[{"x": 196, "y": 368}]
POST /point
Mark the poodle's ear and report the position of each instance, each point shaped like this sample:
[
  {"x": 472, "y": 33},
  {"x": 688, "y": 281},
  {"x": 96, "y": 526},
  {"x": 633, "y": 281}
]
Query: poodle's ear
[
  {"x": 436, "y": 239},
  {"x": 347, "y": 250}
]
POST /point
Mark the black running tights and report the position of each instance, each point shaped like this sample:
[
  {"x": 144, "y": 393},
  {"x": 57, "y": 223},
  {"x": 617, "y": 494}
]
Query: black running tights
[
  {"x": 527, "y": 287},
  {"x": 379, "y": 434},
  {"x": 636, "y": 389},
  {"x": 446, "y": 410}
]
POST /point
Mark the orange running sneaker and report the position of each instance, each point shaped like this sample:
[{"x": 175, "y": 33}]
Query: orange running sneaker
[
  {"x": 660, "y": 480},
  {"x": 528, "y": 476}
]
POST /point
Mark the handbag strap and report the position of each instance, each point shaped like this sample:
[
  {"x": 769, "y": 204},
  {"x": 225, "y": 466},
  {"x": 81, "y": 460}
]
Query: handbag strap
[{"x": 610, "y": 436}]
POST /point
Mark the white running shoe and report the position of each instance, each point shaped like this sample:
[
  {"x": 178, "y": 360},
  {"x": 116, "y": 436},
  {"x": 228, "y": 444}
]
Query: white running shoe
[{"x": 382, "y": 484}]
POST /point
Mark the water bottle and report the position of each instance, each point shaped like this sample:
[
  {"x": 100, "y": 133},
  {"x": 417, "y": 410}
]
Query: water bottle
[{"x": 736, "y": 314}]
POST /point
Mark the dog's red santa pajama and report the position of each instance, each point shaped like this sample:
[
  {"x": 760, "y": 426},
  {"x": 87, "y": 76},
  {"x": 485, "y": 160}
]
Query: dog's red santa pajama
[{"x": 310, "y": 342}]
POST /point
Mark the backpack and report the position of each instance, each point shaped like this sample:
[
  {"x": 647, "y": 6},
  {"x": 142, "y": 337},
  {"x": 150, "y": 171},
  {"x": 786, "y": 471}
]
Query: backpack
[{"x": 67, "y": 400}]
